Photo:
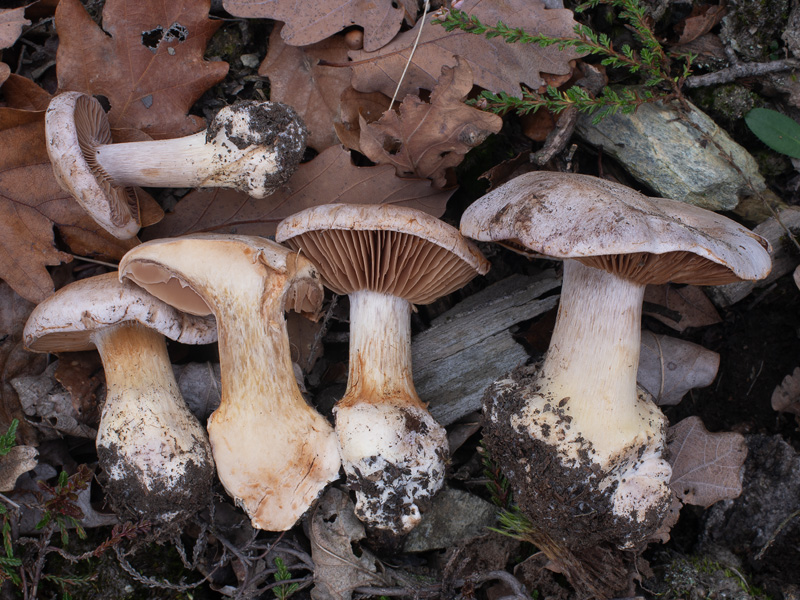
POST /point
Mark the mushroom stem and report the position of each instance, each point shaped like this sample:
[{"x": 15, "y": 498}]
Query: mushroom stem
[
  {"x": 153, "y": 450},
  {"x": 593, "y": 359},
  {"x": 190, "y": 161},
  {"x": 393, "y": 451}
]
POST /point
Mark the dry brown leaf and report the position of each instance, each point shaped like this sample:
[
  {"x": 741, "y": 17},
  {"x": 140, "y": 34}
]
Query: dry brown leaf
[
  {"x": 330, "y": 177},
  {"x": 786, "y": 397},
  {"x": 147, "y": 60},
  {"x": 706, "y": 467},
  {"x": 5, "y": 71},
  {"x": 334, "y": 533},
  {"x": 81, "y": 374},
  {"x": 354, "y": 105},
  {"x": 701, "y": 21},
  {"x": 424, "y": 139},
  {"x": 31, "y": 203},
  {"x": 22, "y": 93},
  {"x": 669, "y": 367},
  {"x": 19, "y": 460},
  {"x": 496, "y": 65},
  {"x": 12, "y": 20},
  {"x": 310, "y": 22},
  {"x": 680, "y": 307},
  {"x": 297, "y": 79}
]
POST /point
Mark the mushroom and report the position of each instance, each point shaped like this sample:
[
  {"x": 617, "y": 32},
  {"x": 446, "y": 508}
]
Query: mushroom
[
  {"x": 274, "y": 453},
  {"x": 251, "y": 146},
  {"x": 385, "y": 258},
  {"x": 584, "y": 451},
  {"x": 153, "y": 451}
]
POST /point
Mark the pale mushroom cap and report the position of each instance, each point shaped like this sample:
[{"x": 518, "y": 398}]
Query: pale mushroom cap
[
  {"x": 65, "y": 321},
  {"x": 213, "y": 261},
  {"x": 389, "y": 249},
  {"x": 75, "y": 125},
  {"x": 607, "y": 225}
]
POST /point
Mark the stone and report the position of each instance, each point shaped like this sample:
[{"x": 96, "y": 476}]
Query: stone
[{"x": 676, "y": 156}]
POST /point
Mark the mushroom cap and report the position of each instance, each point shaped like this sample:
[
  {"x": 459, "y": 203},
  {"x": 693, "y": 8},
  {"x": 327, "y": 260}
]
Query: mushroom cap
[
  {"x": 75, "y": 125},
  {"x": 384, "y": 248},
  {"x": 609, "y": 226},
  {"x": 65, "y": 321},
  {"x": 217, "y": 261}
]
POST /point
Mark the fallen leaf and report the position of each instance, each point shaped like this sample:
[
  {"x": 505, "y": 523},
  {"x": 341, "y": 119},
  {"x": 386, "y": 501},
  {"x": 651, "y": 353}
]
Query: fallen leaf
[
  {"x": 331, "y": 177},
  {"x": 424, "y": 139},
  {"x": 22, "y": 93},
  {"x": 669, "y": 367},
  {"x": 786, "y": 397},
  {"x": 353, "y": 106},
  {"x": 19, "y": 460},
  {"x": 538, "y": 125},
  {"x": 702, "y": 20},
  {"x": 496, "y": 65},
  {"x": 147, "y": 61},
  {"x": 81, "y": 374},
  {"x": 334, "y": 533},
  {"x": 680, "y": 307},
  {"x": 12, "y": 20},
  {"x": 310, "y": 22},
  {"x": 706, "y": 467},
  {"x": 297, "y": 79},
  {"x": 31, "y": 203},
  {"x": 708, "y": 48},
  {"x": 5, "y": 71}
]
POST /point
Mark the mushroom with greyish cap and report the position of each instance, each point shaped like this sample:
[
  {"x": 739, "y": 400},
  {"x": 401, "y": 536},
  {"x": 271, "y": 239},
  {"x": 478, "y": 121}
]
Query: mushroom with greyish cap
[
  {"x": 385, "y": 258},
  {"x": 251, "y": 146},
  {"x": 274, "y": 453},
  {"x": 153, "y": 451},
  {"x": 584, "y": 451}
]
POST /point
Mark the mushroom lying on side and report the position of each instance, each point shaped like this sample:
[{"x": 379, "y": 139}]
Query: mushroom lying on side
[
  {"x": 386, "y": 258},
  {"x": 251, "y": 146},
  {"x": 153, "y": 451},
  {"x": 274, "y": 453},
  {"x": 583, "y": 450}
]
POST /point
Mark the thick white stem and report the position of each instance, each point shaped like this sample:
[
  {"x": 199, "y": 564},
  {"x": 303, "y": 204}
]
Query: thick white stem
[
  {"x": 392, "y": 449},
  {"x": 154, "y": 451}
]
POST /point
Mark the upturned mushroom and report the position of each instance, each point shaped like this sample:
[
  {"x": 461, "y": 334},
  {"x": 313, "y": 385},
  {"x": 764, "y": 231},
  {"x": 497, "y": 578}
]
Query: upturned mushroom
[
  {"x": 584, "y": 451},
  {"x": 274, "y": 453},
  {"x": 385, "y": 258},
  {"x": 250, "y": 146},
  {"x": 153, "y": 452}
]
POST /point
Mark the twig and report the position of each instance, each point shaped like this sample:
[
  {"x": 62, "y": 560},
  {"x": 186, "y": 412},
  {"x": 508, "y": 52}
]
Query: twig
[
  {"x": 152, "y": 582},
  {"x": 774, "y": 536},
  {"x": 413, "y": 49},
  {"x": 557, "y": 139},
  {"x": 739, "y": 70},
  {"x": 97, "y": 262}
]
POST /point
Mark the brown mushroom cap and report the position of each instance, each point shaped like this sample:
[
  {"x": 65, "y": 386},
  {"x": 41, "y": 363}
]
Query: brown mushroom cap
[
  {"x": 65, "y": 321},
  {"x": 75, "y": 125},
  {"x": 383, "y": 248},
  {"x": 612, "y": 227}
]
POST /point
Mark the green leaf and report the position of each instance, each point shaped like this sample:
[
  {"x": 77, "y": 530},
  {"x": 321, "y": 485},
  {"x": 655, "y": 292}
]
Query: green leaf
[
  {"x": 8, "y": 439},
  {"x": 776, "y": 130}
]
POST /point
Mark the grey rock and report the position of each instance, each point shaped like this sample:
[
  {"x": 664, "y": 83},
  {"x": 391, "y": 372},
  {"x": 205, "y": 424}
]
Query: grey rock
[
  {"x": 454, "y": 517},
  {"x": 676, "y": 158}
]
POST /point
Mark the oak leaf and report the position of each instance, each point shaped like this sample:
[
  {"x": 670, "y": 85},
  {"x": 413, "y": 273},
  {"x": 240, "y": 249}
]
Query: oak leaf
[
  {"x": 310, "y": 22},
  {"x": 331, "y": 177},
  {"x": 22, "y": 93},
  {"x": 680, "y": 307},
  {"x": 353, "y": 105},
  {"x": 31, "y": 203},
  {"x": 147, "y": 61},
  {"x": 496, "y": 65},
  {"x": 424, "y": 139},
  {"x": 12, "y": 20},
  {"x": 706, "y": 467}
]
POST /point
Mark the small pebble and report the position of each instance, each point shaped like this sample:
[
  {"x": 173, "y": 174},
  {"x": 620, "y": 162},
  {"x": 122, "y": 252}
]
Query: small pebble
[{"x": 250, "y": 60}]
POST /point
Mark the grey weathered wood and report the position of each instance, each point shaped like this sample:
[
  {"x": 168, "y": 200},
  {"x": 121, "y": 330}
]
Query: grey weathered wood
[
  {"x": 783, "y": 255},
  {"x": 469, "y": 346}
]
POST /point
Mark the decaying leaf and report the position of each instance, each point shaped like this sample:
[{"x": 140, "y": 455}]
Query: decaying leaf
[
  {"x": 310, "y": 22},
  {"x": 31, "y": 203},
  {"x": 786, "y": 397},
  {"x": 496, "y": 65},
  {"x": 330, "y": 177},
  {"x": 19, "y": 460},
  {"x": 22, "y": 93},
  {"x": 297, "y": 79},
  {"x": 147, "y": 61},
  {"x": 680, "y": 307},
  {"x": 706, "y": 467},
  {"x": 353, "y": 106},
  {"x": 701, "y": 21},
  {"x": 335, "y": 531},
  {"x": 669, "y": 367},
  {"x": 5, "y": 71},
  {"x": 424, "y": 139},
  {"x": 12, "y": 20}
]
